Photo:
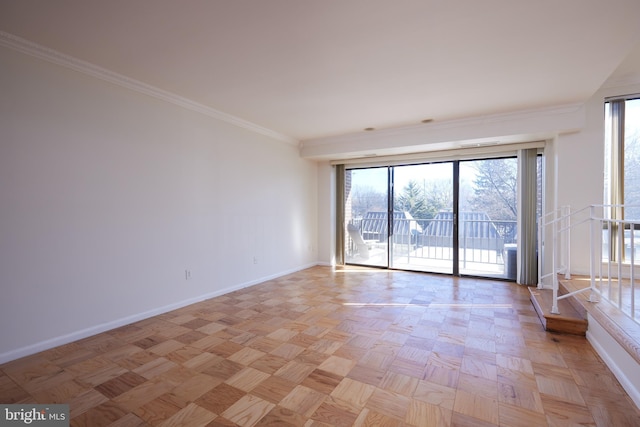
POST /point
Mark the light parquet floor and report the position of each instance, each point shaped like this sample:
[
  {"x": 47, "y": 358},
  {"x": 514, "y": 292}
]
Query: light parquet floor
[{"x": 332, "y": 348}]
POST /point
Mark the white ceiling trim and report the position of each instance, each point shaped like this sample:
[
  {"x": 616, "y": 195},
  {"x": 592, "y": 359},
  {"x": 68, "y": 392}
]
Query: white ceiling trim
[
  {"x": 462, "y": 153},
  {"x": 513, "y": 127},
  {"x": 468, "y": 122},
  {"x": 30, "y": 48}
]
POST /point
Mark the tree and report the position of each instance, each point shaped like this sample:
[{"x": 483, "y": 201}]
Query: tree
[
  {"x": 632, "y": 176},
  {"x": 439, "y": 196},
  {"x": 367, "y": 199},
  {"x": 411, "y": 200},
  {"x": 495, "y": 189}
]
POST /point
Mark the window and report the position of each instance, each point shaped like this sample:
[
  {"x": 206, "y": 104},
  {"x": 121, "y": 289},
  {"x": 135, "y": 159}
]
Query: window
[
  {"x": 622, "y": 155},
  {"x": 622, "y": 167},
  {"x": 460, "y": 217}
]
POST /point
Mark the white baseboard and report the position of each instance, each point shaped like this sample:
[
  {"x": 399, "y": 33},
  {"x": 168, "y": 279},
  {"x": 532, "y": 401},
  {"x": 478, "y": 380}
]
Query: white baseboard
[
  {"x": 623, "y": 366},
  {"x": 93, "y": 330},
  {"x": 325, "y": 264}
]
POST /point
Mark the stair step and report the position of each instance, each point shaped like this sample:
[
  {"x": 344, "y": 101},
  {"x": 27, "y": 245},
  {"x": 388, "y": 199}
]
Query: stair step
[
  {"x": 624, "y": 330},
  {"x": 569, "y": 321}
]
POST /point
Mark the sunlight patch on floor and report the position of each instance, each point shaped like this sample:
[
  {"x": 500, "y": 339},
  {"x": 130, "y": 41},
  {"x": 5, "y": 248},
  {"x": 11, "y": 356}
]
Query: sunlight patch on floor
[{"x": 430, "y": 305}]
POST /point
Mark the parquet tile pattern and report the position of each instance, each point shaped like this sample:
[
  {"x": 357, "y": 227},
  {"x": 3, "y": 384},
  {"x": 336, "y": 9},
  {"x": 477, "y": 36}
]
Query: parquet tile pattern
[{"x": 326, "y": 347}]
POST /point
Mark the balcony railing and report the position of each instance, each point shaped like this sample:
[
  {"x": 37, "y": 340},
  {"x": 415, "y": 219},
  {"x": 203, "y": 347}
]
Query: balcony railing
[
  {"x": 613, "y": 256},
  {"x": 480, "y": 241}
]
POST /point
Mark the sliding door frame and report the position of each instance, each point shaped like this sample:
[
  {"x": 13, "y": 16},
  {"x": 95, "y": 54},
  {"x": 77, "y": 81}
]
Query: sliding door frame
[
  {"x": 456, "y": 214},
  {"x": 451, "y": 156}
]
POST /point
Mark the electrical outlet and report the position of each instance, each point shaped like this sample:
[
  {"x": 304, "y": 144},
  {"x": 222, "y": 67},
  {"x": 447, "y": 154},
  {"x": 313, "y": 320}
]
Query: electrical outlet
[{"x": 187, "y": 275}]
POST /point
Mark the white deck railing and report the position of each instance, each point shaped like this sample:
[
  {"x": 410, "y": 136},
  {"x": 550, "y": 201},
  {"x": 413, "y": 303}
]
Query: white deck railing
[{"x": 610, "y": 278}]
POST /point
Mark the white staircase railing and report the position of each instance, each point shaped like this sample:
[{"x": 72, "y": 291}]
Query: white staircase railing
[{"x": 612, "y": 245}]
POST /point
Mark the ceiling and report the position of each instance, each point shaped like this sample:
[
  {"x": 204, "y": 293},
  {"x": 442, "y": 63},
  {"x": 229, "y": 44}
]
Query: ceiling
[{"x": 315, "y": 69}]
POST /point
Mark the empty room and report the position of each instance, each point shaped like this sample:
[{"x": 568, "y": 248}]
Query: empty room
[{"x": 319, "y": 213}]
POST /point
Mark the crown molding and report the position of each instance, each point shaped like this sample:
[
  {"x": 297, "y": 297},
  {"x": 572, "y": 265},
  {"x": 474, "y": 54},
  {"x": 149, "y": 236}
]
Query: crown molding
[
  {"x": 462, "y": 123},
  {"x": 33, "y": 49},
  {"x": 511, "y": 127}
]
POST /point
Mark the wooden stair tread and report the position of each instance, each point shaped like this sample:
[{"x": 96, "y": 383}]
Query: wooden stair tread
[
  {"x": 569, "y": 321},
  {"x": 621, "y": 328}
]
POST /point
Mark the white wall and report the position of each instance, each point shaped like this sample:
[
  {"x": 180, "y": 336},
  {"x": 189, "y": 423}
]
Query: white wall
[
  {"x": 326, "y": 213},
  {"x": 580, "y": 168},
  {"x": 108, "y": 195}
]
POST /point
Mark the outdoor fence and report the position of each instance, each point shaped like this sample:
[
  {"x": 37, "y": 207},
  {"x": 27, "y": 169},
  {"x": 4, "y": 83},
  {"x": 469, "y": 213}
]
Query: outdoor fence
[{"x": 480, "y": 240}]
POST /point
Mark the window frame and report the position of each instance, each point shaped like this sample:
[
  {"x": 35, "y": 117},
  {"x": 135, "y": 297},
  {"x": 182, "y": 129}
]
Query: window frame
[{"x": 614, "y": 176}]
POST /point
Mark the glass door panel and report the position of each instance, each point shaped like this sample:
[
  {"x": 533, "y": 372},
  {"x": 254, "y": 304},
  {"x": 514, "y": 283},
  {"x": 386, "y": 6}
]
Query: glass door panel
[
  {"x": 422, "y": 237},
  {"x": 404, "y": 217},
  {"x": 366, "y": 222},
  {"x": 488, "y": 217}
]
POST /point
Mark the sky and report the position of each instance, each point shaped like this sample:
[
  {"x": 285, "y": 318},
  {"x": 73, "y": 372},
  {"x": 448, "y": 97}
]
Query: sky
[{"x": 377, "y": 177}]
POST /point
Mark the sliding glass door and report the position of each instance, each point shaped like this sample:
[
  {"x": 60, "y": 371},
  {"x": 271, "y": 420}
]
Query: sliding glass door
[
  {"x": 366, "y": 216},
  {"x": 423, "y": 218},
  {"x": 488, "y": 217},
  {"x": 456, "y": 217}
]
